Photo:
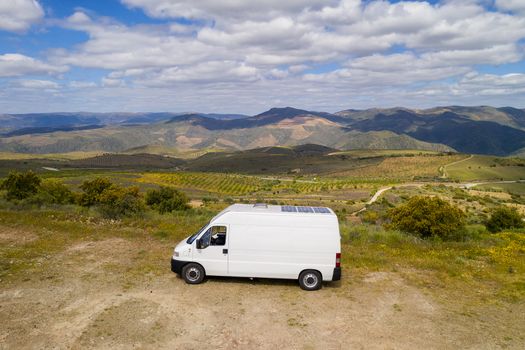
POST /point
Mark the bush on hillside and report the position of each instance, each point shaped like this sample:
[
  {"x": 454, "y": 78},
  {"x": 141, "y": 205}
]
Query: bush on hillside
[
  {"x": 92, "y": 190},
  {"x": 115, "y": 202},
  {"x": 20, "y": 185},
  {"x": 428, "y": 217},
  {"x": 503, "y": 218},
  {"x": 167, "y": 199},
  {"x": 370, "y": 216},
  {"x": 52, "y": 192}
]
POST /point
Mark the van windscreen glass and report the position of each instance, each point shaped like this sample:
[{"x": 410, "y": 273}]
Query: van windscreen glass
[{"x": 193, "y": 236}]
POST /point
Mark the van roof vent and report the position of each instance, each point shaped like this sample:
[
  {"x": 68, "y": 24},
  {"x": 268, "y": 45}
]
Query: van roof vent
[{"x": 260, "y": 205}]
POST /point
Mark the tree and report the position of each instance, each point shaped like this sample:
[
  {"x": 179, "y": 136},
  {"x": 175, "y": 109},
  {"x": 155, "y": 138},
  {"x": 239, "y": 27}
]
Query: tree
[
  {"x": 427, "y": 217},
  {"x": 503, "y": 218},
  {"x": 21, "y": 185},
  {"x": 167, "y": 199},
  {"x": 92, "y": 191}
]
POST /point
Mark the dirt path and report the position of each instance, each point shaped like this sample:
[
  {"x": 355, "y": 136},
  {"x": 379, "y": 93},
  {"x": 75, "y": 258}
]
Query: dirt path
[
  {"x": 443, "y": 169},
  {"x": 107, "y": 294},
  {"x": 466, "y": 185},
  {"x": 86, "y": 307},
  {"x": 469, "y": 185},
  {"x": 382, "y": 190},
  {"x": 377, "y": 194}
]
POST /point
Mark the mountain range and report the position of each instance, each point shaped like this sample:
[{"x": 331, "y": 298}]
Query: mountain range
[{"x": 480, "y": 130}]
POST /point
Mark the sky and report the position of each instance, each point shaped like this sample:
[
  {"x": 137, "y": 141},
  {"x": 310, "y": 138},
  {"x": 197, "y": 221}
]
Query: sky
[{"x": 244, "y": 56}]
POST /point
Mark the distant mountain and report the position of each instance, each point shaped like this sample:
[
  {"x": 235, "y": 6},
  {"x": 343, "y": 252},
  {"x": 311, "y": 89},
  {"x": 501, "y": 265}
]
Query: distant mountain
[
  {"x": 13, "y": 122},
  {"x": 508, "y": 116},
  {"x": 149, "y": 118},
  {"x": 483, "y": 130},
  {"x": 457, "y": 131},
  {"x": 47, "y": 130},
  {"x": 272, "y": 116},
  {"x": 47, "y": 120}
]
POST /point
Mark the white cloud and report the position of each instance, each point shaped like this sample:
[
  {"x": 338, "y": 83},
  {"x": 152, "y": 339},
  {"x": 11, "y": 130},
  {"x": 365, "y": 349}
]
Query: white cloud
[
  {"x": 82, "y": 84},
  {"x": 296, "y": 33},
  {"x": 109, "y": 82},
  {"x": 35, "y": 84},
  {"x": 202, "y": 73},
  {"x": 13, "y": 64},
  {"x": 298, "y": 68},
  {"x": 311, "y": 53},
  {"x": 511, "y": 5},
  {"x": 19, "y": 15},
  {"x": 224, "y": 8},
  {"x": 116, "y": 46}
]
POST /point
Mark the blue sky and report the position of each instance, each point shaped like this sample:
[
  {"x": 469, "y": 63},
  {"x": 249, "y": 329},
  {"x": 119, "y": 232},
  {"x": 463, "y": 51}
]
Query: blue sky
[{"x": 245, "y": 56}]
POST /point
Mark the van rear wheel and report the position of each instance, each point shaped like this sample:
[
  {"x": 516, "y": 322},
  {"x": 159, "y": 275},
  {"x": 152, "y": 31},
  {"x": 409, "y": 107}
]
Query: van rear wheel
[
  {"x": 310, "y": 280},
  {"x": 193, "y": 273}
]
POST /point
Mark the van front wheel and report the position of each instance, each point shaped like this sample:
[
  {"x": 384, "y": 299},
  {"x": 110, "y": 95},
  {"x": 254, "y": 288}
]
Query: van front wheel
[
  {"x": 310, "y": 280},
  {"x": 193, "y": 273}
]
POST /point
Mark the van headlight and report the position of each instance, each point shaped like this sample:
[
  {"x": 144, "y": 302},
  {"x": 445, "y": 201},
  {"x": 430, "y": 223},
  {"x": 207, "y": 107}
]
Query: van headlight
[{"x": 176, "y": 254}]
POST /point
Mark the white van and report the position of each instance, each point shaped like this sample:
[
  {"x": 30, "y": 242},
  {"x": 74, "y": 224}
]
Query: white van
[{"x": 267, "y": 241}]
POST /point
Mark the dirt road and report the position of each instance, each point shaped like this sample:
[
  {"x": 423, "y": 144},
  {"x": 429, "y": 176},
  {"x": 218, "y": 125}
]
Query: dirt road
[
  {"x": 84, "y": 301},
  {"x": 443, "y": 169}
]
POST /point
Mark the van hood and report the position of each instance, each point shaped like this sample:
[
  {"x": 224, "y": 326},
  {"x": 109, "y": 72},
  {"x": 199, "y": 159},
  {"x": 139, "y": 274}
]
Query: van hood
[{"x": 182, "y": 250}]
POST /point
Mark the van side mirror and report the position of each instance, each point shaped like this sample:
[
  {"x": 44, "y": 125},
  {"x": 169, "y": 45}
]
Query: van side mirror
[{"x": 203, "y": 241}]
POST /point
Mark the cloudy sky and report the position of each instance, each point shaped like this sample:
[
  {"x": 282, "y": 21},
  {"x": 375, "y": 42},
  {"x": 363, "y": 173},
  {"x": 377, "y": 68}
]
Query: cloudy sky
[{"x": 244, "y": 56}]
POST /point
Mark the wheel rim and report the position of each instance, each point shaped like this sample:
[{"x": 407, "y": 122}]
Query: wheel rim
[
  {"x": 193, "y": 274},
  {"x": 310, "y": 280}
]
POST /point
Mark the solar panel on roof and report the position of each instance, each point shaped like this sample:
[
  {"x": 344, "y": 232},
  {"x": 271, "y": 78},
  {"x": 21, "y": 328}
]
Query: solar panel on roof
[
  {"x": 288, "y": 208},
  {"x": 305, "y": 209}
]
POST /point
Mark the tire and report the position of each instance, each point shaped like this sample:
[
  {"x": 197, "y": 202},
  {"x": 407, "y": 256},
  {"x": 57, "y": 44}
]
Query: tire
[
  {"x": 310, "y": 280},
  {"x": 193, "y": 273}
]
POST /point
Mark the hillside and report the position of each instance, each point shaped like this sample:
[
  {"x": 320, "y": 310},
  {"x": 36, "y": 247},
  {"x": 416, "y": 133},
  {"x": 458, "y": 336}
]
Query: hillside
[
  {"x": 460, "y": 133},
  {"x": 478, "y": 130}
]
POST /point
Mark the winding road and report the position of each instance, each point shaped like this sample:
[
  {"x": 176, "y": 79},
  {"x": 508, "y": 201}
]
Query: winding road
[{"x": 444, "y": 175}]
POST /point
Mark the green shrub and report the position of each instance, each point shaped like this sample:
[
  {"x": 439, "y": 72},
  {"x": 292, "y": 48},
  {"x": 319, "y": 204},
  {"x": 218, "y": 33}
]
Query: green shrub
[
  {"x": 370, "y": 216},
  {"x": 20, "y": 185},
  {"x": 503, "y": 218},
  {"x": 116, "y": 202},
  {"x": 427, "y": 217},
  {"x": 55, "y": 192},
  {"x": 167, "y": 199},
  {"x": 208, "y": 200},
  {"x": 92, "y": 190}
]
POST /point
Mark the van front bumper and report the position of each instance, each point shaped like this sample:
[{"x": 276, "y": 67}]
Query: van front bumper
[
  {"x": 176, "y": 265},
  {"x": 337, "y": 274}
]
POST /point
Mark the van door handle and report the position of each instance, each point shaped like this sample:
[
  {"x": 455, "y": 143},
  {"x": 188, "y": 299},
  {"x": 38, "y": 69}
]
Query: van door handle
[{"x": 225, "y": 251}]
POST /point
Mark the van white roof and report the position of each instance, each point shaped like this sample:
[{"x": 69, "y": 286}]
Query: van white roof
[{"x": 277, "y": 209}]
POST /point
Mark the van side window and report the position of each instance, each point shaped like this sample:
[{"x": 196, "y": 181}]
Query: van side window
[
  {"x": 218, "y": 235},
  {"x": 215, "y": 235}
]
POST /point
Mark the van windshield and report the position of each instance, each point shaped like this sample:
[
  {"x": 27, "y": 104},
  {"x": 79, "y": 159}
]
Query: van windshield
[{"x": 193, "y": 236}]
